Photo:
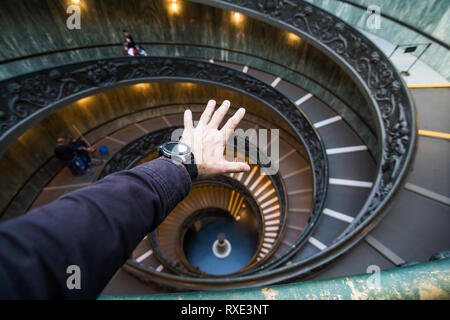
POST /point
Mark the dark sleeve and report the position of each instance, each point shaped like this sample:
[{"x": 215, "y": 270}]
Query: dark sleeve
[{"x": 95, "y": 228}]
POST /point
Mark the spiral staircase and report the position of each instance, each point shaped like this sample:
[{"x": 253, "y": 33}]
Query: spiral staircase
[{"x": 341, "y": 170}]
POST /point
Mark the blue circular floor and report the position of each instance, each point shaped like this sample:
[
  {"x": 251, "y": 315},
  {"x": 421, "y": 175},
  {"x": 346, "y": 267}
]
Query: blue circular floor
[{"x": 198, "y": 247}]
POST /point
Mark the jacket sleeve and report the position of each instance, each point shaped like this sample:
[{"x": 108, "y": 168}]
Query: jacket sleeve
[{"x": 95, "y": 228}]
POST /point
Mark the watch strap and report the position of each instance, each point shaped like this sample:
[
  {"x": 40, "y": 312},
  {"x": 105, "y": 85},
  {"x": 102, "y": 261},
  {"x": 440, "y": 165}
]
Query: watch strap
[{"x": 191, "y": 168}]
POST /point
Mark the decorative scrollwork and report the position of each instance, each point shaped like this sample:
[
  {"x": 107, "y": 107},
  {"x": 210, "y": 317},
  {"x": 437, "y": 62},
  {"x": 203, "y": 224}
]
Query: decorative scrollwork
[{"x": 383, "y": 83}]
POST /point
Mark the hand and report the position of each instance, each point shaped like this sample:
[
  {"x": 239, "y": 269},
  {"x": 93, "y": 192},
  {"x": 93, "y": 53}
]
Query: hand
[{"x": 207, "y": 142}]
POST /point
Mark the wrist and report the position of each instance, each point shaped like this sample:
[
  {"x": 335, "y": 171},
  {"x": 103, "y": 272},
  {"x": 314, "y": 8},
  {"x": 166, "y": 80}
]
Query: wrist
[{"x": 181, "y": 154}]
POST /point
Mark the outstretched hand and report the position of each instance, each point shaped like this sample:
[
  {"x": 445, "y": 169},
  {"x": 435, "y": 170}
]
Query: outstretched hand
[{"x": 207, "y": 142}]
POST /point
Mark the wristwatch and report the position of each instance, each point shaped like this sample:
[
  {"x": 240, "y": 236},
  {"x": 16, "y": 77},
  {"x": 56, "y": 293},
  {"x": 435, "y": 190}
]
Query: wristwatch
[{"x": 181, "y": 153}]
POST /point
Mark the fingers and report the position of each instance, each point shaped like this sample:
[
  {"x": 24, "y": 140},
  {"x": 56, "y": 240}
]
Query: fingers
[
  {"x": 188, "y": 120},
  {"x": 232, "y": 123},
  {"x": 219, "y": 114},
  {"x": 235, "y": 167},
  {"x": 206, "y": 115}
]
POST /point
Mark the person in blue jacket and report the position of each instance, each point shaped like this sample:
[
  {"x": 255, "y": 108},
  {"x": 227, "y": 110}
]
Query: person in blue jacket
[{"x": 97, "y": 228}]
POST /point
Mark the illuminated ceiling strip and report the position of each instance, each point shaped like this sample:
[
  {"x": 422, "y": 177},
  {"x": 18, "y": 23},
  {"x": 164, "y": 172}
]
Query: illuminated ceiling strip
[
  {"x": 289, "y": 226},
  {"x": 429, "y": 85},
  {"x": 327, "y": 121},
  {"x": 434, "y": 134},
  {"x": 141, "y": 128},
  {"x": 273, "y": 215},
  {"x": 403, "y": 58},
  {"x": 269, "y": 240},
  {"x": 273, "y": 208},
  {"x": 257, "y": 181},
  {"x": 271, "y": 222},
  {"x": 264, "y": 187},
  {"x": 303, "y": 99},
  {"x": 275, "y": 82},
  {"x": 252, "y": 173},
  {"x": 267, "y": 245},
  {"x": 144, "y": 256},
  {"x": 238, "y": 207},
  {"x": 77, "y": 185},
  {"x": 428, "y": 193},
  {"x": 338, "y": 215},
  {"x": 316, "y": 243},
  {"x": 351, "y": 183},
  {"x": 299, "y": 210},
  {"x": 296, "y": 172},
  {"x": 115, "y": 140},
  {"x": 381, "y": 248},
  {"x": 300, "y": 191},
  {"x": 266, "y": 195},
  {"x": 240, "y": 175},
  {"x": 231, "y": 200},
  {"x": 346, "y": 149},
  {"x": 265, "y": 204},
  {"x": 286, "y": 155},
  {"x": 166, "y": 121},
  {"x": 236, "y": 200}
]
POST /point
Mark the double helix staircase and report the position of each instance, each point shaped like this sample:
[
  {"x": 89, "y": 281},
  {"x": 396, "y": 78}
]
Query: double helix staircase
[{"x": 331, "y": 188}]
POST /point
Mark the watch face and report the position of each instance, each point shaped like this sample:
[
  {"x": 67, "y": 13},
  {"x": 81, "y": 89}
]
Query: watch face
[{"x": 176, "y": 148}]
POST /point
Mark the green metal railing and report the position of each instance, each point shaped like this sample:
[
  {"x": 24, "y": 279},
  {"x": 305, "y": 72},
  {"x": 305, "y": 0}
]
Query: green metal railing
[{"x": 426, "y": 281}]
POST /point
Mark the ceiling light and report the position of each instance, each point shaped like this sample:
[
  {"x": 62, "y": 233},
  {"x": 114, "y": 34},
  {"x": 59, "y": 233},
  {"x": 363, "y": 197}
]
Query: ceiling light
[{"x": 294, "y": 37}]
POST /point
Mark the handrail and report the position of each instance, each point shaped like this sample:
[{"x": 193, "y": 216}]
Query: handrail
[{"x": 425, "y": 281}]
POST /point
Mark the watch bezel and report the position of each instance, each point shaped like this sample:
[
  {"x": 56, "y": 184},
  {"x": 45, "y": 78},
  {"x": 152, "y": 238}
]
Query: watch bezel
[{"x": 183, "y": 157}]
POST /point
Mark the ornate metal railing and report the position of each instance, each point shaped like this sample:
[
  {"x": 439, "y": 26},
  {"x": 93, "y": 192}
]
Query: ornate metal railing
[{"x": 387, "y": 96}]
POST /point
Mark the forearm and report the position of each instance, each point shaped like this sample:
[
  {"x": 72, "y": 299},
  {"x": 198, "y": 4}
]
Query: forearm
[{"x": 95, "y": 228}]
